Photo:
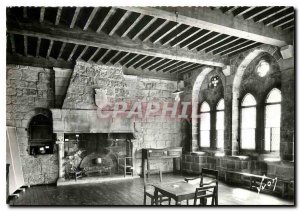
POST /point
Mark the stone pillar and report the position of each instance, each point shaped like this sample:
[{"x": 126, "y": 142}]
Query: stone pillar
[
  {"x": 60, "y": 147},
  {"x": 134, "y": 150}
]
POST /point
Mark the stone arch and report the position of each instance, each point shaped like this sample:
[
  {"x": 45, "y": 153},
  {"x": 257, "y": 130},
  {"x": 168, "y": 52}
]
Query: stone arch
[
  {"x": 43, "y": 111},
  {"x": 195, "y": 101},
  {"x": 243, "y": 62}
]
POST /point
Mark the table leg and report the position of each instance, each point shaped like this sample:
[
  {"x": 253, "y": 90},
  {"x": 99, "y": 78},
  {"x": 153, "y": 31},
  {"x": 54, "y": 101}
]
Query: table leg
[{"x": 156, "y": 196}]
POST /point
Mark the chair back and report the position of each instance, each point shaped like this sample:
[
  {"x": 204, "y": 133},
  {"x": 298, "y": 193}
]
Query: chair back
[
  {"x": 203, "y": 193},
  {"x": 150, "y": 179},
  {"x": 209, "y": 173}
]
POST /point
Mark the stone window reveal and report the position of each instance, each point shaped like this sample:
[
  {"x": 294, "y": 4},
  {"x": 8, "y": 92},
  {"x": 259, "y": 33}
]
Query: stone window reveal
[
  {"x": 220, "y": 124},
  {"x": 272, "y": 121},
  {"x": 248, "y": 122},
  {"x": 204, "y": 125}
]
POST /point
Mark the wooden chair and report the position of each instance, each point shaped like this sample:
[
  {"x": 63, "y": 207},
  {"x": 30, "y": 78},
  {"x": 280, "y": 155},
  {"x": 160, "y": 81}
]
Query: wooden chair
[
  {"x": 205, "y": 193},
  {"x": 213, "y": 176},
  {"x": 149, "y": 189}
]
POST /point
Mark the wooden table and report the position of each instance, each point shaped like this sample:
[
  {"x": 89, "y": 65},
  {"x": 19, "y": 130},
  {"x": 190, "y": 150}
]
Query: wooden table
[
  {"x": 178, "y": 191},
  {"x": 159, "y": 154}
]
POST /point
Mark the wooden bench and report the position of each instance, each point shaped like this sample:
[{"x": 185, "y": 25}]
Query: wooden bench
[{"x": 255, "y": 181}]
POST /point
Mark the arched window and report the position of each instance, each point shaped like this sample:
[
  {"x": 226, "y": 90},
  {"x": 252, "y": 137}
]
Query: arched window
[
  {"x": 248, "y": 122},
  {"x": 204, "y": 125},
  {"x": 272, "y": 121},
  {"x": 220, "y": 124}
]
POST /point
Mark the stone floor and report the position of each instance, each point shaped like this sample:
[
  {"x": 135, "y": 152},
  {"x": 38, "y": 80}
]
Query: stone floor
[{"x": 130, "y": 192}]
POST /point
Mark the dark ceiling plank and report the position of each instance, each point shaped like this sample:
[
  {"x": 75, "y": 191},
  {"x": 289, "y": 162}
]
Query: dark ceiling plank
[
  {"x": 109, "y": 14},
  {"x": 205, "y": 18},
  {"x": 132, "y": 25},
  {"x": 184, "y": 68},
  {"x": 226, "y": 49},
  {"x": 215, "y": 43},
  {"x": 206, "y": 41},
  {"x": 119, "y": 23},
  {"x": 165, "y": 34},
  {"x": 149, "y": 74},
  {"x": 137, "y": 61},
  {"x": 197, "y": 39},
  {"x": 144, "y": 28},
  {"x": 82, "y": 52},
  {"x": 160, "y": 64},
  {"x": 225, "y": 44},
  {"x": 58, "y": 15},
  {"x": 49, "y": 49},
  {"x": 74, "y": 18},
  {"x": 231, "y": 10},
  {"x": 242, "y": 47},
  {"x": 155, "y": 63},
  {"x": 122, "y": 57},
  {"x": 148, "y": 62},
  {"x": 38, "y": 45},
  {"x": 94, "y": 54},
  {"x": 126, "y": 63},
  {"x": 177, "y": 35},
  {"x": 185, "y": 64},
  {"x": 245, "y": 49},
  {"x": 141, "y": 62},
  {"x": 283, "y": 23},
  {"x": 155, "y": 31},
  {"x": 113, "y": 57},
  {"x": 25, "y": 15},
  {"x": 279, "y": 19},
  {"x": 245, "y": 11},
  {"x": 187, "y": 37},
  {"x": 25, "y": 46},
  {"x": 91, "y": 17},
  {"x": 102, "y": 40},
  {"x": 258, "y": 13},
  {"x": 103, "y": 56},
  {"x": 286, "y": 28},
  {"x": 190, "y": 69},
  {"x": 38, "y": 62},
  {"x": 271, "y": 15},
  {"x": 237, "y": 47},
  {"x": 42, "y": 14},
  {"x": 175, "y": 65},
  {"x": 12, "y": 41},
  {"x": 61, "y": 50},
  {"x": 72, "y": 53}
]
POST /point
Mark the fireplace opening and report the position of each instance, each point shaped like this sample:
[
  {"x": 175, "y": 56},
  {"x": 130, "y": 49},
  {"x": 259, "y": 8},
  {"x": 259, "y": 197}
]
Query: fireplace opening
[{"x": 95, "y": 154}]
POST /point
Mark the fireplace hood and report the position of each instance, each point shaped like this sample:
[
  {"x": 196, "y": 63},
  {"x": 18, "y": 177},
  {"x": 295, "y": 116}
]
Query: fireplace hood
[{"x": 87, "y": 121}]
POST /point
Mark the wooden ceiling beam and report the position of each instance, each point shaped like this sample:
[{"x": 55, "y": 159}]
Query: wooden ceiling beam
[
  {"x": 258, "y": 13},
  {"x": 176, "y": 36},
  {"x": 72, "y": 53},
  {"x": 38, "y": 45},
  {"x": 90, "y": 18},
  {"x": 225, "y": 44},
  {"x": 206, "y": 41},
  {"x": 279, "y": 19},
  {"x": 102, "y": 40},
  {"x": 165, "y": 34},
  {"x": 132, "y": 25},
  {"x": 57, "y": 19},
  {"x": 49, "y": 49},
  {"x": 42, "y": 14},
  {"x": 195, "y": 40},
  {"x": 109, "y": 14},
  {"x": 226, "y": 49},
  {"x": 156, "y": 30},
  {"x": 137, "y": 61},
  {"x": 187, "y": 37},
  {"x": 61, "y": 50},
  {"x": 245, "y": 11},
  {"x": 115, "y": 28},
  {"x": 25, "y": 45},
  {"x": 238, "y": 47},
  {"x": 94, "y": 54},
  {"x": 12, "y": 42},
  {"x": 271, "y": 15},
  {"x": 144, "y": 28},
  {"x": 74, "y": 18},
  {"x": 205, "y": 18}
]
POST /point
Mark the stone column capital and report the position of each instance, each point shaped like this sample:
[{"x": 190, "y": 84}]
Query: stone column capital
[{"x": 59, "y": 142}]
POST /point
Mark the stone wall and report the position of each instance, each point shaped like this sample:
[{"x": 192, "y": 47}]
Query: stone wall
[
  {"x": 29, "y": 91},
  {"x": 152, "y": 132}
]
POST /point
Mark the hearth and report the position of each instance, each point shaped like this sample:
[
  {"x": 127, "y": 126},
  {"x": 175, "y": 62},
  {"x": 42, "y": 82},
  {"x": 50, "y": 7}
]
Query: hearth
[{"x": 95, "y": 154}]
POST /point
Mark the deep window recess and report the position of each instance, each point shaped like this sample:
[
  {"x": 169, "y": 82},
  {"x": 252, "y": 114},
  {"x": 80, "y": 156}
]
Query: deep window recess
[
  {"x": 204, "y": 125},
  {"x": 40, "y": 135},
  {"x": 248, "y": 122},
  {"x": 220, "y": 124},
  {"x": 272, "y": 121}
]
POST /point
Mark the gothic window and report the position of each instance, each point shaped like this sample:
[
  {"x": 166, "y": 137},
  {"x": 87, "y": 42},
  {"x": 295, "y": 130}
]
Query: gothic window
[
  {"x": 248, "y": 122},
  {"x": 272, "y": 121},
  {"x": 204, "y": 125},
  {"x": 220, "y": 124}
]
